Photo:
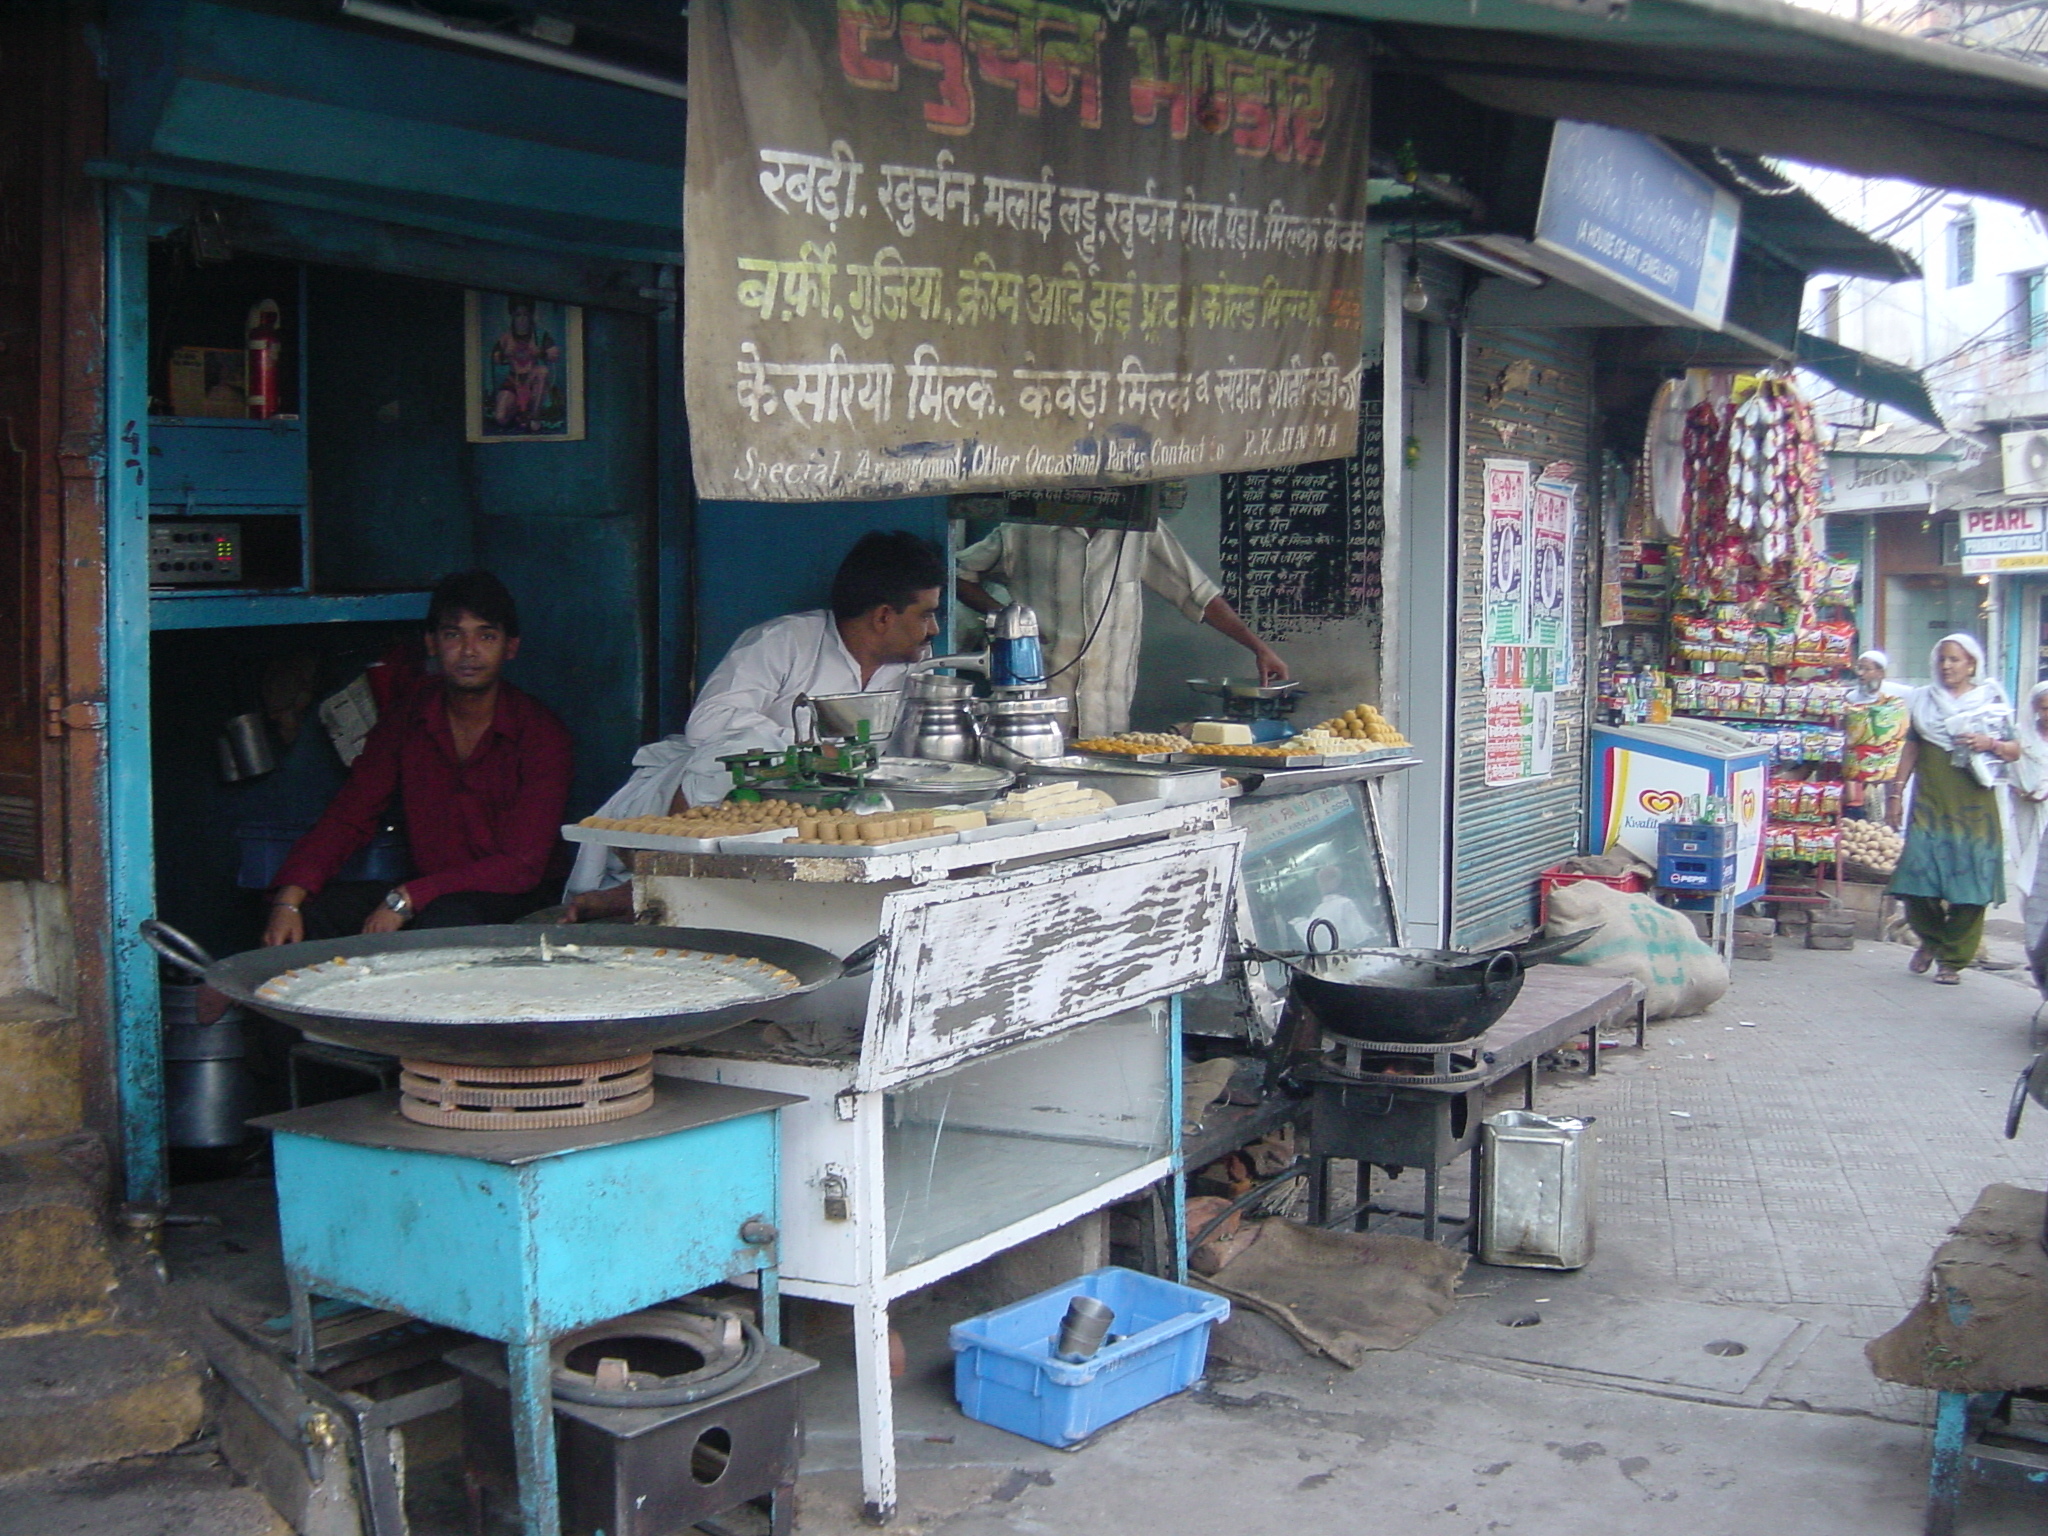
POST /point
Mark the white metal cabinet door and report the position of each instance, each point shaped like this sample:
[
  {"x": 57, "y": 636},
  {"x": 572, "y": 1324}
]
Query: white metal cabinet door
[{"x": 971, "y": 965}]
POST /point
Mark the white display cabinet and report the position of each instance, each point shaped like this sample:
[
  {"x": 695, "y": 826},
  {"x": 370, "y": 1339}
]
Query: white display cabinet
[{"x": 1011, "y": 1063}]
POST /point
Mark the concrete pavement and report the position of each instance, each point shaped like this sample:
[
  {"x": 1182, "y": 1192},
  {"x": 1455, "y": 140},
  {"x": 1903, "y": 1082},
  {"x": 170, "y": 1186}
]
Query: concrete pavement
[{"x": 1775, "y": 1175}]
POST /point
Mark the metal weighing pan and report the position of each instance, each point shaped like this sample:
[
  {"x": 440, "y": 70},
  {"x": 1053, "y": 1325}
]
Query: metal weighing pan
[{"x": 516, "y": 1042}]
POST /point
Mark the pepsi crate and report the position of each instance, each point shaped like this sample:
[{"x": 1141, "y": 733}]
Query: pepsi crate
[
  {"x": 1696, "y": 856},
  {"x": 1006, "y": 1374}
]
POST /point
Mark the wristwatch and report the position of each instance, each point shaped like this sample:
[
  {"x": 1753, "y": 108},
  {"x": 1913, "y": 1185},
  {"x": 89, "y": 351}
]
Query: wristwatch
[{"x": 397, "y": 901}]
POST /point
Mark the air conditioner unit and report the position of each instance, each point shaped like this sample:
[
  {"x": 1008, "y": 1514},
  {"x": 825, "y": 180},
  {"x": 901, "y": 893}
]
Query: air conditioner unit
[{"x": 2026, "y": 462}]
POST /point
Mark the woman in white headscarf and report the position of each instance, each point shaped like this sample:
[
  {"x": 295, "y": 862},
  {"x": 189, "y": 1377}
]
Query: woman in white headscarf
[
  {"x": 1953, "y": 864},
  {"x": 2029, "y": 778}
]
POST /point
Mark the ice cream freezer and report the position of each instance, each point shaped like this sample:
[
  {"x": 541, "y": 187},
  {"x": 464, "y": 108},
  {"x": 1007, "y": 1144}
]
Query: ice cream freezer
[{"x": 1643, "y": 776}]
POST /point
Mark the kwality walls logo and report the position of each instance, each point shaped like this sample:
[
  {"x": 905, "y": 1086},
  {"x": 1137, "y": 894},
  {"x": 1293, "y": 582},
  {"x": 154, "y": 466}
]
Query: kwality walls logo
[{"x": 1660, "y": 802}]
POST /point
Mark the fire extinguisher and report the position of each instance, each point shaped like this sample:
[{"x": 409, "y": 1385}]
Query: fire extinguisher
[{"x": 265, "y": 340}]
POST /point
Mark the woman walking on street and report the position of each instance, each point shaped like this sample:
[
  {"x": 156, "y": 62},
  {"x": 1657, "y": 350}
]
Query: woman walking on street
[{"x": 1953, "y": 866}]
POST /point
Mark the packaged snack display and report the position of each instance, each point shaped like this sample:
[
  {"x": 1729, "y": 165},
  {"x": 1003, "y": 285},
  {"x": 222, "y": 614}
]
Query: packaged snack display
[{"x": 1876, "y": 738}]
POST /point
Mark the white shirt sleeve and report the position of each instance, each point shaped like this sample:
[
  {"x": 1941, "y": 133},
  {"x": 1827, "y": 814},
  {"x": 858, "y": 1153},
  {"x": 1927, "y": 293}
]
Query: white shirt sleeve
[
  {"x": 1171, "y": 572},
  {"x": 734, "y": 712},
  {"x": 983, "y": 556}
]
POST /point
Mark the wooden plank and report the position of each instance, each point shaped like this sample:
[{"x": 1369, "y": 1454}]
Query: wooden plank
[{"x": 975, "y": 964}]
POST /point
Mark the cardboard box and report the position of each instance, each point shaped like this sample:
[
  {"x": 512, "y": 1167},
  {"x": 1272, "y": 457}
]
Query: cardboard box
[{"x": 209, "y": 381}]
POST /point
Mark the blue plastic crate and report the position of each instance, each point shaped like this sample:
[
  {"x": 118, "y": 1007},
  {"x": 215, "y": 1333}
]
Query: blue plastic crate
[
  {"x": 1005, "y": 1373},
  {"x": 1697, "y": 839},
  {"x": 1678, "y": 873}
]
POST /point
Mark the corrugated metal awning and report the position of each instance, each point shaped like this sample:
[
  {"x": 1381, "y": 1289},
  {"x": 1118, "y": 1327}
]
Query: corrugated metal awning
[{"x": 1756, "y": 75}]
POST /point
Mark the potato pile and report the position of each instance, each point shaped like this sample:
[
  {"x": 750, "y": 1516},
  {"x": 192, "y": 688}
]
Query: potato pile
[
  {"x": 1363, "y": 723},
  {"x": 1872, "y": 844}
]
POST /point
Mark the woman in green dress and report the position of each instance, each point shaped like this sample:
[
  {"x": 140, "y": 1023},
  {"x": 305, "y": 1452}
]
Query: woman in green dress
[{"x": 1953, "y": 865}]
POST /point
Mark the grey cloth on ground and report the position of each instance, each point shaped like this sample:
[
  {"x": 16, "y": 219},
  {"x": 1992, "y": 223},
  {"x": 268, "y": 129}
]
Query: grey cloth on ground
[{"x": 1343, "y": 1293}]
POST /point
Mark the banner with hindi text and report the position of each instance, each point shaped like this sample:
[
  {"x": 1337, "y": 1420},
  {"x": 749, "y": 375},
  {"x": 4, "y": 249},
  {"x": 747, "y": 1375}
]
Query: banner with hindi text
[{"x": 1012, "y": 244}]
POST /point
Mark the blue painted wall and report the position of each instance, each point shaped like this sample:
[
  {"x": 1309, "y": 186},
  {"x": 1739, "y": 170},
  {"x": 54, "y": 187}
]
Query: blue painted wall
[
  {"x": 759, "y": 559},
  {"x": 568, "y": 525}
]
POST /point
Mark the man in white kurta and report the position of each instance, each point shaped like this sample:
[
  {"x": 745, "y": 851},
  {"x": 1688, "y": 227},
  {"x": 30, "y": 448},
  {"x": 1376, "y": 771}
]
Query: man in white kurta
[
  {"x": 884, "y": 613},
  {"x": 1081, "y": 581}
]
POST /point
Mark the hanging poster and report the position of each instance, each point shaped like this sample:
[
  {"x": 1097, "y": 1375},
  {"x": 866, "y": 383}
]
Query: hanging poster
[
  {"x": 1521, "y": 714},
  {"x": 1551, "y": 509},
  {"x": 942, "y": 248},
  {"x": 1506, "y": 620}
]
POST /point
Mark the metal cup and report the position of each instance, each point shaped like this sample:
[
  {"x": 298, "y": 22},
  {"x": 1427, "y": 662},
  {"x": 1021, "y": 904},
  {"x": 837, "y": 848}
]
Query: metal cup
[
  {"x": 245, "y": 746},
  {"x": 1083, "y": 1329}
]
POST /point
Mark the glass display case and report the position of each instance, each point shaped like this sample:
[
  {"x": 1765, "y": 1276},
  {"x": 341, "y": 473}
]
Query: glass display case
[{"x": 988, "y": 1144}]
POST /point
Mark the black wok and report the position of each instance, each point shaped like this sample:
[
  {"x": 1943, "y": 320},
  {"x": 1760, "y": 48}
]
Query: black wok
[
  {"x": 518, "y": 1042},
  {"x": 1403, "y": 997}
]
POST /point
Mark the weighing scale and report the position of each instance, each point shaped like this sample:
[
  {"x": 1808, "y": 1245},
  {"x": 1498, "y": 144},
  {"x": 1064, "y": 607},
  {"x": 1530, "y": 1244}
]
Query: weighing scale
[{"x": 1262, "y": 706}]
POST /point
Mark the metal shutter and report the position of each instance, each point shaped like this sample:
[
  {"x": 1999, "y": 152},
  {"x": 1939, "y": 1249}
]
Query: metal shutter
[{"x": 1528, "y": 395}]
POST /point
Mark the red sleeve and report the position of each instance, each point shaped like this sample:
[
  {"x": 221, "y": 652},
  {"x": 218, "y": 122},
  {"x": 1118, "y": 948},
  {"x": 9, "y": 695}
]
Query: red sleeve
[
  {"x": 352, "y": 818},
  {"x": 530, "y": 830}
]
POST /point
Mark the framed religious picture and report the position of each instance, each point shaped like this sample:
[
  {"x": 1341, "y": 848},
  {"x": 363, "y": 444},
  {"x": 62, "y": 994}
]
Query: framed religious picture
[{"x": 522, "y": 369}]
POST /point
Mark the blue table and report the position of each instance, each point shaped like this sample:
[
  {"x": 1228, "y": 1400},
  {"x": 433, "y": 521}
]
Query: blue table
[{"x": 523, "y": 1236}]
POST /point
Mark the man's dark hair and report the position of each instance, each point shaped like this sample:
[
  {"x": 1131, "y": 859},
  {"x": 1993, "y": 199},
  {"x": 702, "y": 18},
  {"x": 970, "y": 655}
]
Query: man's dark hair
[
  {"x": 477, "y": 592},
  {"x": 885, "y": 569}
]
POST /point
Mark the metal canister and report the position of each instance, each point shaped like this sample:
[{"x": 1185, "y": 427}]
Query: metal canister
[
  {"x": 209, "y": 1093},
  {"x": 1536, "y": 1190}
]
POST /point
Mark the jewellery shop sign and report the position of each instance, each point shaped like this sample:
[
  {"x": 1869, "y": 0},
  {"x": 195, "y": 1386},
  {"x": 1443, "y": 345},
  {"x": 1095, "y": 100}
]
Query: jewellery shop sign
[
  {"x": 970, "y": 244},
  {"x": 2001, "y": 539}
]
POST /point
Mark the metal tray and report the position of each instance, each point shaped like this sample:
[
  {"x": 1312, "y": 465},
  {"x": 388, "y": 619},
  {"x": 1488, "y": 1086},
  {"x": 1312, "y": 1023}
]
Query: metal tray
[
  {"x": 661, "y": 843},
  {"x": 1246, "y": 760}
]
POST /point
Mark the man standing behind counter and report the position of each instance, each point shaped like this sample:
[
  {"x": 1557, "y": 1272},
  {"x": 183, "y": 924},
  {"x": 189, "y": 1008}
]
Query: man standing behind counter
[
  {"x": 885, "y": 606},
  {"x": 482, "y": 771},
  {"x": 1083, "y": 585}
]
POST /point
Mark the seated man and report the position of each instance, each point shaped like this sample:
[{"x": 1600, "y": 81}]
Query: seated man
[
  {"x": 885, "y": 603},
  {"x": 482, "y": 773}
]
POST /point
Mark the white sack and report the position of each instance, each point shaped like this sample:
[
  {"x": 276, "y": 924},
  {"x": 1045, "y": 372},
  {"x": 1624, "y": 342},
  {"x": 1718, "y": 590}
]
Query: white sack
[{"x": 1653, "y": 944}]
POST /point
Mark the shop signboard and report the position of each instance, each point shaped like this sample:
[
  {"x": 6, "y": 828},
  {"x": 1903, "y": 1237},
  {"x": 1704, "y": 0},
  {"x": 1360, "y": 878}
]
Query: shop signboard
[
  {"x": 1992, "y": 536},
  {"x": 1872, "y": 483},
  {"x": 1016, "y": 246},
  {"x": 1623, "y": 209}
]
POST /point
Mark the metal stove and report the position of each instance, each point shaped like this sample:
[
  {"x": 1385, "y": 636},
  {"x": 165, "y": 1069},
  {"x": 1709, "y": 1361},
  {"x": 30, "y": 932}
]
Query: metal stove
[{"x": 524, "y": 1235}]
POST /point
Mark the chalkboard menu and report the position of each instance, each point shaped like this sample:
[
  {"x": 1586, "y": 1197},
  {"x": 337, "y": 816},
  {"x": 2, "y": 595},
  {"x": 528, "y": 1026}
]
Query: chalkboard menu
[{"x": 1301, "y": 547}]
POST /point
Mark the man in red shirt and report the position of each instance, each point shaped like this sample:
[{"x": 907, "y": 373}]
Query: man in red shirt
[{"x": 481, "y": 771}]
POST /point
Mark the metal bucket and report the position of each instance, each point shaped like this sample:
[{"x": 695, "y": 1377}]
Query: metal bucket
[
  {"x": 209, "y": 1094},
  {"x": 1536, "y": 1191}
]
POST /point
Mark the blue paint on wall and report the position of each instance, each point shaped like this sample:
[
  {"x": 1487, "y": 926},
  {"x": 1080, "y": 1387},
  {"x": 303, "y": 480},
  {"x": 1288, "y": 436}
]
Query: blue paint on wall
[
  {"x": 758, "y": 559},
  {"x": 567, "y": 526}
]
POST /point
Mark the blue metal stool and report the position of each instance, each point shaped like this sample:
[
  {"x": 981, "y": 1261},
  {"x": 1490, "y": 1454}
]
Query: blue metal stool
[{"x": 522, "y": 1236}]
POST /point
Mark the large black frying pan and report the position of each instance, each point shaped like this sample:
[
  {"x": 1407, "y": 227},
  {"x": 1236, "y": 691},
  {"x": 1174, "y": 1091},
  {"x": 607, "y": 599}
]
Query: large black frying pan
[
  {"x": 520, "y": 1042},
  {"x": 1403, "y": 996}
]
